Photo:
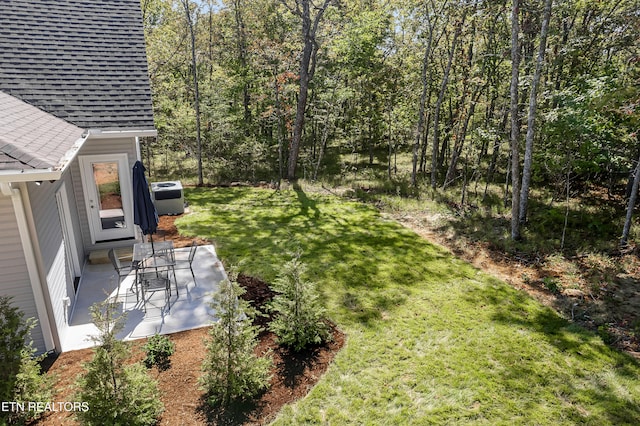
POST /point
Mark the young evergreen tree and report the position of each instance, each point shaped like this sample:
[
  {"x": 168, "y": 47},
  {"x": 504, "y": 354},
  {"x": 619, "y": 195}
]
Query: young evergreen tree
[
  {"x": 231, "y": 369},
  {"x": 30, "y": 385},
  {"x": 13, "y": 332},
  {"x": 20, "y": 377},
  {"x": 299, "y": 320},
  {"x": 116, "y": 393}
]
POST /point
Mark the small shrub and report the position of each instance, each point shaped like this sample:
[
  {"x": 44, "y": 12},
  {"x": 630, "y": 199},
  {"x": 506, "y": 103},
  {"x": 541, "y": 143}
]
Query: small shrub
[
  {"x": 116, "y": 393},
  {"x": 20, "y": 377},
  {"x": 299, "y": 320},
  {"x": 231, "y": 369},
  {"x": 159, "y": 350},
  {"x": 606, "y": 335},
  {"x": 31, "y": 384},
  {"x": 13, "y": 333},
  {"x": 552, "y": 284}
]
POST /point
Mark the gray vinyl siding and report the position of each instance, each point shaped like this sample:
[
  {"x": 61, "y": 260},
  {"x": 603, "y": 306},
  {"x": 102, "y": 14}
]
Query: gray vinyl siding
[
  {"x": 44, "y": 205},
  {"x": 52, "y": 250},
  {"x": 14, "y": 281},
  {"x": 98, "y": 147},
  {"x": 75, "y": 217}
]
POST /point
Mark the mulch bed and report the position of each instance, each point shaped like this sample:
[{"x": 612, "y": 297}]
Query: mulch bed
[
  {"x": 167, "y": 230},
  {"x": 293, "y": 374}
]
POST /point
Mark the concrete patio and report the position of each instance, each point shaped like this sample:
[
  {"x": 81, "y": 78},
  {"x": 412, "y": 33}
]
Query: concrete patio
[{"x": 190, "y": 309}]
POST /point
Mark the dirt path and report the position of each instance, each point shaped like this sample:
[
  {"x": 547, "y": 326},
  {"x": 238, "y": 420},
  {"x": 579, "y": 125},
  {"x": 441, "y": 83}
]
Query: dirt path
[{"x": 599, "y": 293}]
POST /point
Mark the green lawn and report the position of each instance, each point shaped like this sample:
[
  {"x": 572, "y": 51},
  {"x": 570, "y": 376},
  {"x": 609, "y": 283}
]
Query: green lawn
[{"x": 431, "y": 340}]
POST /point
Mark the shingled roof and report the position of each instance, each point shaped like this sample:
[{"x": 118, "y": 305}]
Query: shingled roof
[
  {"x": 81, "y": 61},
  {"x": 33, "y": 139}
]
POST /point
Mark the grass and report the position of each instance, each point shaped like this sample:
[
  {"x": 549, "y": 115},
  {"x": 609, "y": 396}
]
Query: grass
[{"x": 431, "y": 340}]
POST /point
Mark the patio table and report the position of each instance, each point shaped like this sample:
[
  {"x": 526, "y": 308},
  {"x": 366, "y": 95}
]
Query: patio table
[{"x": 154, "y": 264}]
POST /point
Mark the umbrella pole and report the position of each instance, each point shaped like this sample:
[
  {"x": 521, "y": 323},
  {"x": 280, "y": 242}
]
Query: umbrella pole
[{"x": 153, "y": 252}]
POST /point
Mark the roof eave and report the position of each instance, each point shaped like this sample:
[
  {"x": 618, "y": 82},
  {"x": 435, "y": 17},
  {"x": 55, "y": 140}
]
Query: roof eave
[
  {"x": 51, "y": 173},
  {"x": 107, "y": 134},
  {"x": 33, "y": 175},
  {"x": 55, "y": 173}
]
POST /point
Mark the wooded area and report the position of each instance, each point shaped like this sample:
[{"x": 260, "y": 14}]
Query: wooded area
[{"x": 432, "y": 94}]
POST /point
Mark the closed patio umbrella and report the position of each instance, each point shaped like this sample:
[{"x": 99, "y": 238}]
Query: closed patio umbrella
[{"x": 144, "y": 212}]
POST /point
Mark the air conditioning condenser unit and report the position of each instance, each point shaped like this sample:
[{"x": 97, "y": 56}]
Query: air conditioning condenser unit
[{"x": 168, "y": 197}]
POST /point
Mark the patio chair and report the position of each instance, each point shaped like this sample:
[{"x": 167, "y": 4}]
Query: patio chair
[
  {"x": 188, "y": 262},
  {"x": 121, "y": 270},
  {"x": 160, "y": 235},
  {"x": 153, "y": 281}
]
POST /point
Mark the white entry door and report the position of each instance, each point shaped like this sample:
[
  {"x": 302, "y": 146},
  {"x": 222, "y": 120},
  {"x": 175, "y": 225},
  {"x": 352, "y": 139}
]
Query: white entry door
[{"x": 107, "y": 187}]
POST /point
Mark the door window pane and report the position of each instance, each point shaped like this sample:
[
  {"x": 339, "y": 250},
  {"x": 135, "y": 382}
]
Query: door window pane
[{"x": 107, "y": 180}]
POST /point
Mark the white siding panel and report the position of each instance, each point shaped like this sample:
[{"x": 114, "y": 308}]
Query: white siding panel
[
  {"x": 75, "y": 218},
  {"x": 45, "y": 215},
  {"x": 14, "y": 281},
  {"x": 58, "y": 283},
  {"x": 51, "y": 244}
]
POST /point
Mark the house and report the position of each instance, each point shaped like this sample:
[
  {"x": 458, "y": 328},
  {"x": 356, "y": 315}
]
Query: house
[{"x": 74, "y": 102}]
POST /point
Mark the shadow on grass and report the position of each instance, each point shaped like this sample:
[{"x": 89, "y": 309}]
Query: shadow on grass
[
  {"x": 354, "y": 255},
  {"x": 367, "y": 266},
  {"x": 203, "y": 196},
  {"x": 517, "y": 308},
  {"x": 305, "y": 202},
  {"x": 586, "y": 228},
  {"x": 605, "y": 287},
  {"x": 598, "y": 390}
]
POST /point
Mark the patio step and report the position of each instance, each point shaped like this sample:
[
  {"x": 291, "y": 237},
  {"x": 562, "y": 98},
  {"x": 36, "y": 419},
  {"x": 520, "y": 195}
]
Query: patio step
[{"x": 97, "y": 257}]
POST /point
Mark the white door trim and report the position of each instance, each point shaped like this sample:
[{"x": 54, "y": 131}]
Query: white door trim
[
  {"x": 91, "y": 196},
  {"x": 67, "y": 228}
]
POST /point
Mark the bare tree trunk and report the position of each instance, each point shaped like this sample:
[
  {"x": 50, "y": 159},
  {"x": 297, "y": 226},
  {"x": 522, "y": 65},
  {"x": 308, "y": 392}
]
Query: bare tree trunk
[
  {"x": 425, "y": 138},
  {"x": 566, "y": 211},
  {"x": 506, "y": 182},
  {"x": 436, "y": 115},
  {"x": 323, "y": 147},
  {"x": 630, "y": 207},
  {"x": 533, "y": 100},
  {"x": 196, "y": 91},
  {"x": 241, "y": 40},
  {"x": 425, "y": 96},
  {"x": 302, "y": 96},
  {"x": 329, "y": 124},
  {"x": 210, "y": 47},
  {"x": 461, "y": 134},
  {"x": 567, "y": 25},
  {"x": 463, "y": 196},
  {"x": 390, "y": 137},
  {"x": 281, "y": 126},
  {"x": 307, "y": 69},
  {"x": 423, "y": 99},
  {"x": 497, "y": 142},
  {"x": 421, "y": 110},
  {"x": 459, "y": 144},
  {"x": 515, "y": 155},
  {"x": 370, "y": 138}
]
